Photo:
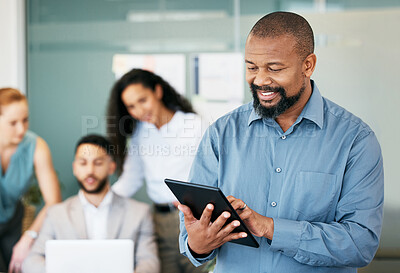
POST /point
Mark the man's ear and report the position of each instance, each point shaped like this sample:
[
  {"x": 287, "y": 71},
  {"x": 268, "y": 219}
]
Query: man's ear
[
  {"x": 112, "y": 168},
  {"x": 159, "y": 91},
  {"x": 309, "y": 64}
]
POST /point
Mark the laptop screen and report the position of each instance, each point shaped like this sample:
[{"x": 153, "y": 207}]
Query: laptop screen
[{"x": 87, "y": 256}]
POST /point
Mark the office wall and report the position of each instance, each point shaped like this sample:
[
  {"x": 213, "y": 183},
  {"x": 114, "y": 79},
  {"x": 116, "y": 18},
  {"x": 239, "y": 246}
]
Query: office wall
[{"x": 12, "y": 45}]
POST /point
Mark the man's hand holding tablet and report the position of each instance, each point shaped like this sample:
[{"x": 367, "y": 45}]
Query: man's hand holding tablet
[
  {"x": 259, "y": 225},
  {"x": 203, "y": 235},
  {"x": 211, "y": 219}
]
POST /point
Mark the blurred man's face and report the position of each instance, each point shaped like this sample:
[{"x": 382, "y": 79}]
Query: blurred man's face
[{"x": 91, "y": 167}]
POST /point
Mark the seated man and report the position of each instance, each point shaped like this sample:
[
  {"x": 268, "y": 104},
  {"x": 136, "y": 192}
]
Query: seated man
[{"x": 96, "y": 212}]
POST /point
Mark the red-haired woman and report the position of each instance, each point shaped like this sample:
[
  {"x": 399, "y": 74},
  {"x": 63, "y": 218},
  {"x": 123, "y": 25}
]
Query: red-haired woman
[{"x": 23, "y": 154}]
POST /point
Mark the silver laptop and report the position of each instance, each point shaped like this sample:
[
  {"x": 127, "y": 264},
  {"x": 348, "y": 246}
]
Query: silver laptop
[{"x": 89, "y": 256}]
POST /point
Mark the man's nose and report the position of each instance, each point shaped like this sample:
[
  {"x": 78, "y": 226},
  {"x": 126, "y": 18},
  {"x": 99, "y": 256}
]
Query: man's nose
[
  {"x": 262, "y": 78},
  {"x": 89, "y": 169}
]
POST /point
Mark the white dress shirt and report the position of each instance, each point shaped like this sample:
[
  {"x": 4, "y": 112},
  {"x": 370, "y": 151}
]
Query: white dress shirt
[
  {"x": 155, "y": 154},
  {"x": 96, "y": 218}
]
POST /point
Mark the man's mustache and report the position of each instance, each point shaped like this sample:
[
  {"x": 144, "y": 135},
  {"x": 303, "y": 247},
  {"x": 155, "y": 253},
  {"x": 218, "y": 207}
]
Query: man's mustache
[
  {"x": 91, "y": 176},
  {"x": 265, "y": 88}
]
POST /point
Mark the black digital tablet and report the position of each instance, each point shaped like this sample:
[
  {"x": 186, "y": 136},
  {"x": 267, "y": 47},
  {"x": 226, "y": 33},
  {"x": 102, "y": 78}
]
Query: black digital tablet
[{"x": 196, "y": 197}]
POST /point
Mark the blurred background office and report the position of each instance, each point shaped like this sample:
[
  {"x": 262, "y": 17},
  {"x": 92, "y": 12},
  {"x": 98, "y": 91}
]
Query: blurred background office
[{"x": 66, "y": 55}]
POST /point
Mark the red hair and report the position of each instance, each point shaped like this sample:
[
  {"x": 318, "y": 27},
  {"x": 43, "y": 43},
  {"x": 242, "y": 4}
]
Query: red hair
[{"x": 10, "y": 95}]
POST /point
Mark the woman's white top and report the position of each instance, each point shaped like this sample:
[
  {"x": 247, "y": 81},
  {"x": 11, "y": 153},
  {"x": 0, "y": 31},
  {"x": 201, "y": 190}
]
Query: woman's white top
[{"x": 155, "y": 154}]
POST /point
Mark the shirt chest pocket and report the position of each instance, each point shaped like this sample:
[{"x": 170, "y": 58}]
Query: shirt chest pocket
[{"x": 314, "y": 194}]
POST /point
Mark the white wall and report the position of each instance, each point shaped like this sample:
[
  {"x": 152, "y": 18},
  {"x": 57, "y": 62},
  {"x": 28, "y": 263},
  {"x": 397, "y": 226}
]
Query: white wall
[{"x": 12, "y": 45}]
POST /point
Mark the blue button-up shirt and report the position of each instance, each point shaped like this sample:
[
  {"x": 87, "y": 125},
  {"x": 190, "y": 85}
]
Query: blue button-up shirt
[{"x": 321, "y": 181}]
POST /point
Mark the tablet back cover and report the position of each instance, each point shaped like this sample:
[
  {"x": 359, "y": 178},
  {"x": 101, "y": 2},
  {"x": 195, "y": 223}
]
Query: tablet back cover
[{"x": 197, "y": 196}]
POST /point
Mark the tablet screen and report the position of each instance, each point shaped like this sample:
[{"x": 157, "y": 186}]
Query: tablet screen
[{"x": 197, "y": 196}]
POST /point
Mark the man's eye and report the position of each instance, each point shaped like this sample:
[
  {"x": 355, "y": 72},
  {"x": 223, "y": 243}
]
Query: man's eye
[
  {"x": 251, "y": 68},
  {"x": 275, "y": 70}
]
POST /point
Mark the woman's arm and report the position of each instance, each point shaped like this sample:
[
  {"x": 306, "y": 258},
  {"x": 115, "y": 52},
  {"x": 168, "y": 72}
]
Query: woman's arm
[
  {"x": 47, "y": 179},
  {"x": 50, "y": 189},
  {"x": 132, "y": 176}
]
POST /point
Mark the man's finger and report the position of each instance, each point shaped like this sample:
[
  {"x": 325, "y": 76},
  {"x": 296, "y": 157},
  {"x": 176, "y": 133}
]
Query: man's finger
[
  {"x": 238, "y": 205},
  {"x": 12, "y": 267},
  {"x": 235, "y": 236},
  {"x": 245, "y": 214},
  {"x": 228, "y": 229},
  {"x": 220, "y": 222},
  {"x": 230, "y": 198},
  {"x": 187, "y": 213},
  {"x": 206, "y": 215}
]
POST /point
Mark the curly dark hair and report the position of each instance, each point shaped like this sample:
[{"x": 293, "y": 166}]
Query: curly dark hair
[{"x": 121, "y": 125}]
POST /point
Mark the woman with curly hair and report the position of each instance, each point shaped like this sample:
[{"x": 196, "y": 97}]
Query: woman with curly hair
[{"x": 163, "y": 134}]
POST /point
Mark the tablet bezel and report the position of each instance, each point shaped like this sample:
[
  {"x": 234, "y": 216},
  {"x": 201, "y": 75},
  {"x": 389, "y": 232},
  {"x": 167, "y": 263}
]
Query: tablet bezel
[{"x": 197, "y": 196}]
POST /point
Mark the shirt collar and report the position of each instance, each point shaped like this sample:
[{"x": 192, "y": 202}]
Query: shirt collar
[
  {"x": 105, "y": 202},
  {"x": 253, "y": 116},
  {"x": 313, "y": 111}
]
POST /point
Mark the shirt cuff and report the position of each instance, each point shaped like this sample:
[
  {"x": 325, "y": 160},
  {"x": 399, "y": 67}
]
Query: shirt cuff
[
  {"x": 198, "y": 261},
  {"x": 286, "y": 238}
]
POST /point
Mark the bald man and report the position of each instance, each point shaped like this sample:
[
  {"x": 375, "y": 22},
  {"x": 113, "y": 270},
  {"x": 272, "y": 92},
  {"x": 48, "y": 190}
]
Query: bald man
[{"x": 304, "y": 174}]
